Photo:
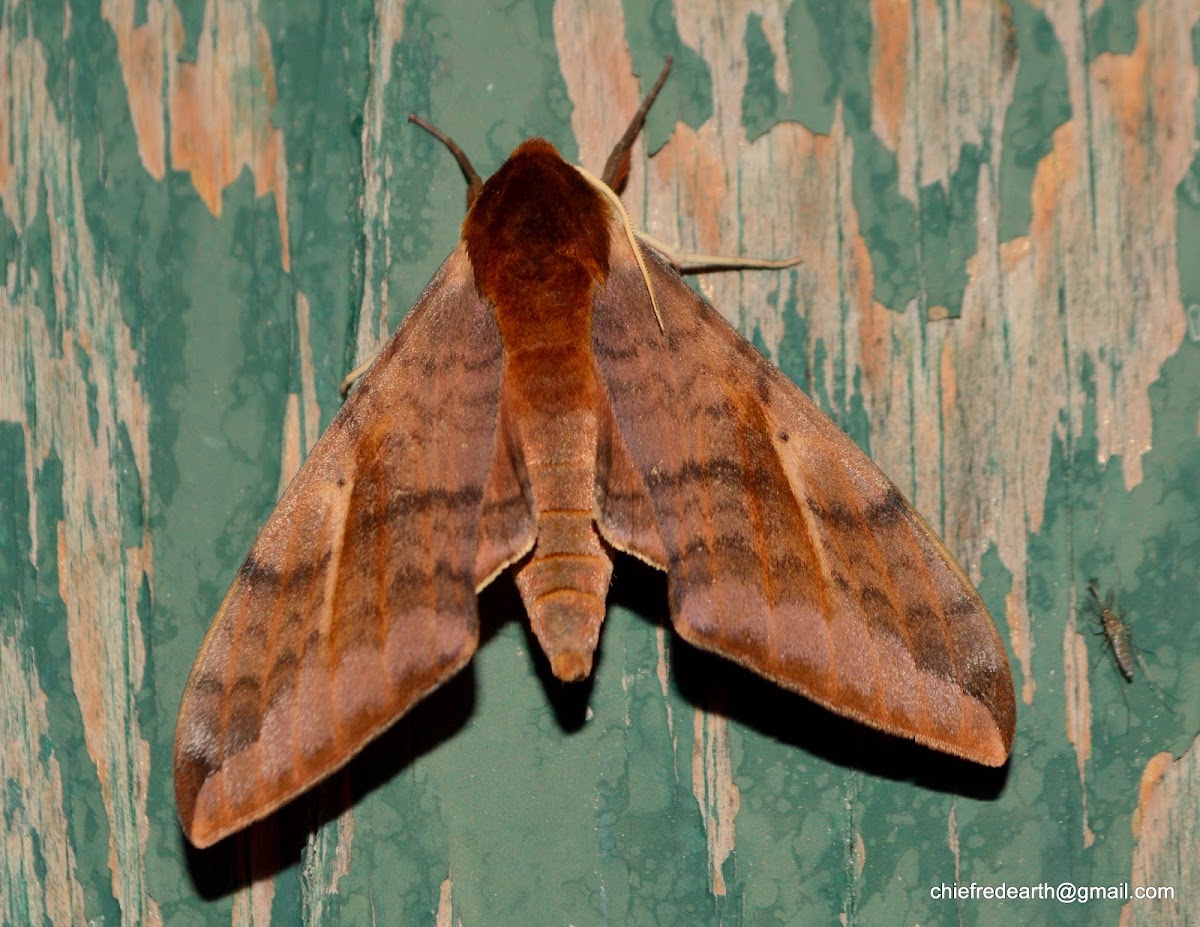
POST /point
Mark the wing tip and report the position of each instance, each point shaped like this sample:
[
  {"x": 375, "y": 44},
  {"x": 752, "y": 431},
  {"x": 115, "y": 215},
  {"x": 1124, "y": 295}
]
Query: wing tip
[
  {"x": 204, "y": 829},
  {"x": 195, "y": 781},
  {"x": 980, "y": 730},
  {"x": 988, "y": 747},
  {"x": 201, "y": 834},
  {"x": 192, "y": 772},
  {"x": 207, "y": 815}
]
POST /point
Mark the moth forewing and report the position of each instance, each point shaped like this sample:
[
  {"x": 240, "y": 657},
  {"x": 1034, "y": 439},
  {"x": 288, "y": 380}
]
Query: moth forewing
[
  {"x": 358, "y": 596},
  {"x": 788, "y": 551}
]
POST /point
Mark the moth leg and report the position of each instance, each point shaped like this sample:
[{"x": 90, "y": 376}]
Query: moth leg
[
  {"x": 616, "y": 168},
  {"x": 691, "y": 262},
  {"x": 353, "y": 376}
]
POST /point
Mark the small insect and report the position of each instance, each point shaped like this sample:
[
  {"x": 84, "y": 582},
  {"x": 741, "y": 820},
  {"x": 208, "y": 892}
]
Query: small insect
[{"x": 1115, "y": 629}]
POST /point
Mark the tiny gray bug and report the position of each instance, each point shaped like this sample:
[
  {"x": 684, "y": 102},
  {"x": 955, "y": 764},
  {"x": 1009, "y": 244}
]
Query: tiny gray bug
[{"x": 1116, "y": 630}]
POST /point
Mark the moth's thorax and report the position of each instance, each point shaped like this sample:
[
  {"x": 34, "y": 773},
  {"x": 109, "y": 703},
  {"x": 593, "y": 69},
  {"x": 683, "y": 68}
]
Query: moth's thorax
[{"x": 538, "y": 241}]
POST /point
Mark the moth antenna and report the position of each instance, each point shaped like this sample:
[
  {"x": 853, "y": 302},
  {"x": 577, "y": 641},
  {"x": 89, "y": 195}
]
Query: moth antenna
[
  {"x": 629, "y": 233},
  {"x": 616, "y": 168},
  {"x": 691, "y": 262},
  {"x": 474, "y": 186},
  {"x": 474, "y": 183}
]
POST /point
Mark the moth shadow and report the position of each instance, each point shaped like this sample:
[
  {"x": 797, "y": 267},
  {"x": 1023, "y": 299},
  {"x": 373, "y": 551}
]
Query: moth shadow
[{"x": 276, "y": 843}]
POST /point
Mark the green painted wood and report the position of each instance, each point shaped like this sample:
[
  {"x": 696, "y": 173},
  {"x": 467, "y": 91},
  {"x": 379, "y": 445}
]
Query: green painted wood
[{"x": 211, "y": 210}]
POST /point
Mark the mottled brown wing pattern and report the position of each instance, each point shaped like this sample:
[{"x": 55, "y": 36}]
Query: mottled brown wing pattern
[
  {"x": 787, "y": 550},
  {"x": 359, "y": 595}
]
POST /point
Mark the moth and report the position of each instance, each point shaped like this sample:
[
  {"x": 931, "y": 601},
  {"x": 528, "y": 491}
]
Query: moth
[
  {"x": 558, "y": 394},
  {"x": 1115, "y": 630}
]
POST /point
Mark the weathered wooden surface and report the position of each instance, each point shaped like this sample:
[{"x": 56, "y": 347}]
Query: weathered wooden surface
[{"x": 210, "y": 209}]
